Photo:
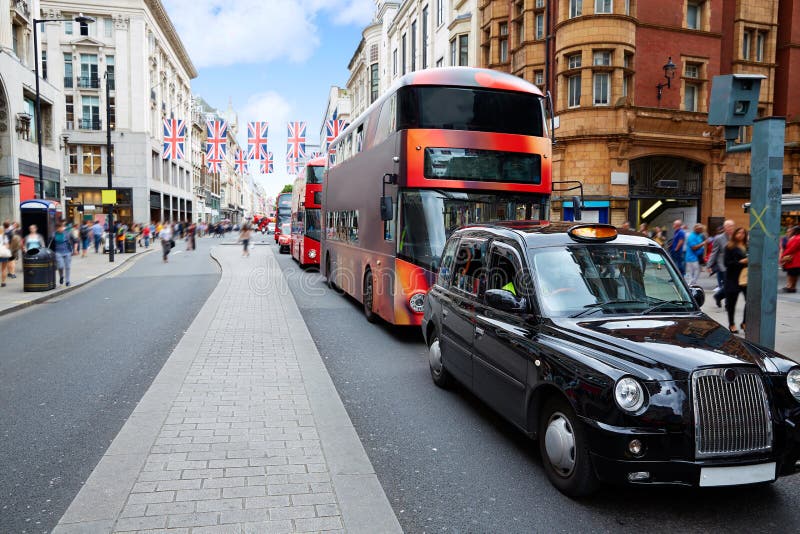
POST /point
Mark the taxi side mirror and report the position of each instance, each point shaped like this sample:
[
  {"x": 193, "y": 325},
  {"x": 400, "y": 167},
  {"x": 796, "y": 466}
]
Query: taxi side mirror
[
  {"x": 698, "y": 295},
  {"x": 503, "y": 300}
]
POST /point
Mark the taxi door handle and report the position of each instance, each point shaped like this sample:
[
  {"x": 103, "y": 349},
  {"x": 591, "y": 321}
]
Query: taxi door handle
[{"x": 479, "y": 331}]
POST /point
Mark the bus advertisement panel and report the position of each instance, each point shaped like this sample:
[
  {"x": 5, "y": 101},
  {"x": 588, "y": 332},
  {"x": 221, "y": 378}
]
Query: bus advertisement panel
[
  {"x": 442, "y": 148},
  {"x": 306, "y": 213},
  {"x": 283, "y": 212}
]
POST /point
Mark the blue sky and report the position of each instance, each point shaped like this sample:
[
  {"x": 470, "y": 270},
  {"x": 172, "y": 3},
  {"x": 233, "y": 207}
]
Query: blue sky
[{"x": 275, "y": 59}]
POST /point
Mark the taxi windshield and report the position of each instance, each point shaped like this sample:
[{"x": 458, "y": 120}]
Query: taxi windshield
[{"x": 594, "y": 279}]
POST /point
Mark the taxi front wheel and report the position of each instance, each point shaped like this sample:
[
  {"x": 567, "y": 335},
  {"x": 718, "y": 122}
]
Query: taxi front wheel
[
  {"x": 439, "y": 374},
  {"x": 565, "y": 455}
]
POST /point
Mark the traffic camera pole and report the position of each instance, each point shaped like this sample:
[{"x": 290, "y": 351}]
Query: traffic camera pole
[{"x": 766, "y": 169}]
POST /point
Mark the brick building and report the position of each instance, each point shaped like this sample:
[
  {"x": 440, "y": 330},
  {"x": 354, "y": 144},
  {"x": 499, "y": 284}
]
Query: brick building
[{"x": 642, "y": 148}]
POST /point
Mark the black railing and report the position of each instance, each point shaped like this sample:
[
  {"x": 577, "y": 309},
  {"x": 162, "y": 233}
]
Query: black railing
[
  {"x": 89, "y": 82},
  {"x": 89, "y": 124},
  {"x": 67, "y": 82}
]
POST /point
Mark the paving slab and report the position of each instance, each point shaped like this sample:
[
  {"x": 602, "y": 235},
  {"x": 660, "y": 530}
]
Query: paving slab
[{"x": 241, "y": 431}]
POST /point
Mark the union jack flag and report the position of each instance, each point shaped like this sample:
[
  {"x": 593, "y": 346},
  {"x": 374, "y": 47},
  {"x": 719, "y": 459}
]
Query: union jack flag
[
  {"x": 316, "y": 154},
  {"x": 213, "y": 165},
  {"x": 293, "y": 166},
  {"x": 266, "y": 164},
  {"x": 296, "y": 141},
  {"x": 217, "y": 144},
  {"x": 257, "y": 140},
  {"x": 333, "y": 127},
  {"x": 174, "y": 139},
  {"x": 240, "y": 162},
  {"x": 331, "y": 156}
]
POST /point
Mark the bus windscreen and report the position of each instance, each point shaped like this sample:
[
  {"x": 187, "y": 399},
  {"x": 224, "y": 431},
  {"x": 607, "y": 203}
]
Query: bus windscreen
[
  {"x": 483, "y": 165},
  {"x": 315, "y": 175},
  {"x": 313, "y": 223},
  {"x": 461, "y": 108}
]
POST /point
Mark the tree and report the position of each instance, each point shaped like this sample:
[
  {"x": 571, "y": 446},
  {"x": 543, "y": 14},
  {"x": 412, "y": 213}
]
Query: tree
[{"x": 287, "y": 188}]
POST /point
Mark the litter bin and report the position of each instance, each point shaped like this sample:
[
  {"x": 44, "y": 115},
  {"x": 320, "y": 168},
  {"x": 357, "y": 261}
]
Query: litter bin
[
  {"x": 39, "y": 270},
  {"x": 130, "y": 242}
]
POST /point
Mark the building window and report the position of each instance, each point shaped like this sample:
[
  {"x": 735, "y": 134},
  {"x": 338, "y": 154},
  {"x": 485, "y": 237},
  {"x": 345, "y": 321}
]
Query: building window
[
  {"x": 463, "y": 50},
  {"x": 413, "y": 46},
  {"x": 108, "y": 26},
  {"x": 627, "y": 60},
  {"x": 68, "y": 27},
  {"x": 628, "y": 7},
  {"x": 86, "y": 28},
  {"x": 92, "y": 162},
  {"x": 373, "y": 83},
  {"x": 575, "y": 8},
  {"x": 693, "y": 16},
  {"x": 574, "y": 99},
  {"x": 761, "y": 39},
  {"x": 626, "y": 84},
  {"x": 603, "y": 6},
  {"x": 692, "y": 70},
  {"x": 602, "y": 88},
  {"x": 453, "y": 53},
  {"x": 72, "y": 157},
  {"x": 112, "y": 113},
  {"x": 539, "y": 4},
  {"x": 602, "y": 58},
  {"x": 503, "y": 28},
  {"x": 44, "y": 64},
  {"x": 439, "y": 12},
  {"x": 690, "y": 97},
  {"x": 747, "y": 39},
  {"x": 90, "y": 117},
  {"x": 574, "y": 61},
  {"x": 394, "y": 62},
  {"x": 27, "y": 129},
  {"x": 88, "y": 78},
  {"x": 403, "y": 49},
  {"x": 110, "y": 72},
  {"x": 503, "y": 50},
  {"x": 538, "y": 77},
  {"x": 70, "y": 109},
  {"x": 425, "y": 37},
  {"x": 540, "y": 25}
]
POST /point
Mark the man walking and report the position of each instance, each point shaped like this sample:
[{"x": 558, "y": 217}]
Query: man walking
[
  {"x": 695, "y": 251},
  {"x": 716, "y": 261},
  {"x": 676, "y": 247},
  {"x": 166, "y": 237},
  {"x": 97, "y": 234}
]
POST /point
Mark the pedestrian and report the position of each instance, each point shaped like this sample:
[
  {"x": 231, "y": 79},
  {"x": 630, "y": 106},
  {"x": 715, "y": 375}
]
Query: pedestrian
[
  {"x": 191, "y": 230},
  {"x": 14, "y": 244},
  {"x": 677, "y": 245},
  {"x": 695, "y": 252},
  {"x": 97, "y": 234},
  {"x": 735, "y": 263},
  {"x": 244, "y": 237},
  {"x": 75, "y": 239},
  {"x": 167, "y": 241},
  {"x": 146, "y": 236},
  {"x": 790, "y": 260},
  {"x": 643, "y": 230},
  {"x": 63, "y": 247},
  {"x": 34, "y": 239},
  {"x": 5, "y": 256},
  {"x": 716, "y": 261},
  {"x": 84, "y": 232}
]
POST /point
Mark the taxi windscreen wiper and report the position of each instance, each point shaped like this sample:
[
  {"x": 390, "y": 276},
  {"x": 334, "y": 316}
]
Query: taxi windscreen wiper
[
  {"x": 681, "y": 303},
  {"x": 601, "y": 305}
]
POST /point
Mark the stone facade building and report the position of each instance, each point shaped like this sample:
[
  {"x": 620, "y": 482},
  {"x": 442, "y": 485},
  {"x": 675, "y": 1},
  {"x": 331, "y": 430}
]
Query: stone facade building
[
  {"x": 133, "y": 47},
  {"x": 19, "y": 170},
  {"x": 642, "y": 148}
]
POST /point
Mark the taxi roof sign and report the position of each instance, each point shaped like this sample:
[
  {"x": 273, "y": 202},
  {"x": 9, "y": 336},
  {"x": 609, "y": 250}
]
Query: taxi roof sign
[{"x": 593, "y": 232}]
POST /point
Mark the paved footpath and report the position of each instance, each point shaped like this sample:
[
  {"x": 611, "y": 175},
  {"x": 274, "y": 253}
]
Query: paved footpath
[{"x": 241, "y": 431}]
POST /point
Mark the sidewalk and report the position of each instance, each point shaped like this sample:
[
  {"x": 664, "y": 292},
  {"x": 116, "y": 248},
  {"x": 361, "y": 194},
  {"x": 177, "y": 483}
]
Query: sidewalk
[
  {"x": 84, "y": 270},
  {"x": 241, "y": 431}
]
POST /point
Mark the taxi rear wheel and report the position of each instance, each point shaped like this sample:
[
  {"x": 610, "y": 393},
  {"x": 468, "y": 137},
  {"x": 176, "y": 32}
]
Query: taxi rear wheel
[
  {"x": 439, "y": 374},
  {"x": 564, "y": 450}
]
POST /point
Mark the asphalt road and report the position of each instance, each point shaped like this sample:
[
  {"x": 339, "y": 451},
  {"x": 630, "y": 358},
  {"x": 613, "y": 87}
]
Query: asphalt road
[
  {"x": 73, "y": 369},
  {"x": 449, "y": 464}
]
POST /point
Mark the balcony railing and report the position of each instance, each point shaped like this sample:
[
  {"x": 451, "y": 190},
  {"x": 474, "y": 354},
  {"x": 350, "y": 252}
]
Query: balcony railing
[
  {"x": 89, "y": 124},
  {"x": 89, "y": 82},
  {"x": 68, "y": 82}
]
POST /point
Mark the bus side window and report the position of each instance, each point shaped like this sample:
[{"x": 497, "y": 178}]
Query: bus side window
[{"x": 386, "y": 120}]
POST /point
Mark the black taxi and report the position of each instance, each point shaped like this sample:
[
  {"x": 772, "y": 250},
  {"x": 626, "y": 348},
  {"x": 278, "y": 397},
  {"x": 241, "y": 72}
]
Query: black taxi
[{"x": 589, "y": 340}]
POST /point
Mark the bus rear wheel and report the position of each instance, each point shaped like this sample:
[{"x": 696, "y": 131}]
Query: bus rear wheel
[{"x": 369, "y": 297}]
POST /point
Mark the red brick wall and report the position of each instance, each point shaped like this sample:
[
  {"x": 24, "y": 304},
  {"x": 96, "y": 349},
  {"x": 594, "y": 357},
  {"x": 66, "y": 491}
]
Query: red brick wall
[{"x": 787, "y": 75}]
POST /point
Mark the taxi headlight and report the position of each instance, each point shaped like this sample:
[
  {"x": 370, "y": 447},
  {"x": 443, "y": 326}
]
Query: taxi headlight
[
  {"x": 417, "y": 302},
  {"x": 312, "y": 253},
  {"x": 629, "y": 394},
  {"x": 793, "y": 381}
]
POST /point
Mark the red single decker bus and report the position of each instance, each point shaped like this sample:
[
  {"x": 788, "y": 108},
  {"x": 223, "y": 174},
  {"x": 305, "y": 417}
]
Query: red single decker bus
[
  {"x": 441, "y": 149},
  {"x": 306, "y": 213},
  {"x": 283, "y": 212}
]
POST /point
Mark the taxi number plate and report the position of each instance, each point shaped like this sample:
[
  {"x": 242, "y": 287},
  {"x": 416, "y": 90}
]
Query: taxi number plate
[{"x": 740, "y": 474}]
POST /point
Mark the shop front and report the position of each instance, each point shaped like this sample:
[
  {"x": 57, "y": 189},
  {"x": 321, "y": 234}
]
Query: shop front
[{"x": 86, "y": 204}]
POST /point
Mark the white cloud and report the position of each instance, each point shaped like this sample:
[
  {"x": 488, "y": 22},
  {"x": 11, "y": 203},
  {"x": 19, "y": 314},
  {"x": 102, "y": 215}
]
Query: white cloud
[{"x": 219, "y": 33}]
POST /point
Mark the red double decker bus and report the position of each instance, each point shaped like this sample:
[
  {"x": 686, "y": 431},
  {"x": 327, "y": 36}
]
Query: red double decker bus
[
  {"x": 306, "y": 212},
  {"x": 441, "y": 149},
  {"x": 283, "y": 212}
]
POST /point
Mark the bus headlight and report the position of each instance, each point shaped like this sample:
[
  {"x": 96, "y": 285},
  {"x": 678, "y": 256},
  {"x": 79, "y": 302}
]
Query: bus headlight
[
  {"x": 312, "y": 253},
  {"x": 417, "y": 302}
]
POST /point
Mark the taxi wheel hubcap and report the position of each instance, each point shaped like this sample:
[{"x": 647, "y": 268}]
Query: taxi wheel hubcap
[
  {"x": 559, "y": 442},
  {"x": 435, "y": 357}
]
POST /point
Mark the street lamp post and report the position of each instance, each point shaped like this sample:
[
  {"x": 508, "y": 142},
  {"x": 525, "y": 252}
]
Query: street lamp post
[
  {"x": 669, "y": 74},
  {"x": 79, "y": 19}
]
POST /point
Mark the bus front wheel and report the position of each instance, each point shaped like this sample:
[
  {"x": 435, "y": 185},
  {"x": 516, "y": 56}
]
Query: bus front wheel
[{"x": 369, "y": 297}]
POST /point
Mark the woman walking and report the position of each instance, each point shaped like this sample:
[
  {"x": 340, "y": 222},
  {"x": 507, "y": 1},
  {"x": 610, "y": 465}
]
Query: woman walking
[
  {"x": 735, "y": 263},
  {"x": 64, "y": 248},
  {"x": 166, "y": 241},
  {"x": 244, "y": 237},
  {"x": 790, "y": 260}
]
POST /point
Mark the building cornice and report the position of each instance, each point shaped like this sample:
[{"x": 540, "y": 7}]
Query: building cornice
[{"x": 163, "y": 20}]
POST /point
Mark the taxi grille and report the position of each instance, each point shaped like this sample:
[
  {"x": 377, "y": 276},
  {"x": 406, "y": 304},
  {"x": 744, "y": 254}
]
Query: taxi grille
[{"x": 731, "y": 412}]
